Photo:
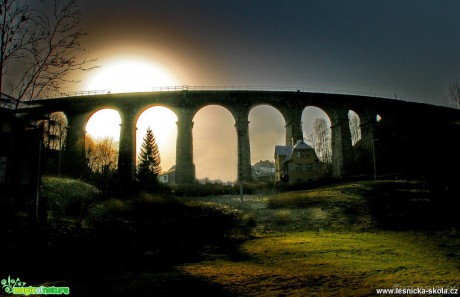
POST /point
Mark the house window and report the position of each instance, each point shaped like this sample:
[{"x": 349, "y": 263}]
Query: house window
[
  {"x": 299, "y": 167},
  {"x": 308, "y": 167},
  {"x": 302, "y": 154},
  {"x": 164, "y": 178}
]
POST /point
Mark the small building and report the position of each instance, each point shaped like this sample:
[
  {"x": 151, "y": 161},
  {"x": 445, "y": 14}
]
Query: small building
[
  {"x": 297, "y": 164},
  {"x": 168, "y": 177},
  {"x": 20, "y": 166},
  {"x": 263, "y": 171}
]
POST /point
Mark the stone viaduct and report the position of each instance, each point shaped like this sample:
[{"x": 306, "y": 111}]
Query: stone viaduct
[{"x": 186, "y": 103}]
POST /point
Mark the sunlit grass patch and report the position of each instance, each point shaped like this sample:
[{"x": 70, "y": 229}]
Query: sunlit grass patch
[{"x": 333, "y": 263}]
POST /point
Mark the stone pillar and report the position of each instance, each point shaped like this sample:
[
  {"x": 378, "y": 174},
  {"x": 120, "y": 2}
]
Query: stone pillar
[
  {"x": 293, "y": 126},
  {"x": 366, "y": 156},
  {"x": 244, "y": 147},
  {"x": 74, "y": 154},
  {"x": 185, "y": 169},
  {"x": 367, "y": 125},
  {"x": 127, "y": 148},
  {"x": 342, "y": 154}
]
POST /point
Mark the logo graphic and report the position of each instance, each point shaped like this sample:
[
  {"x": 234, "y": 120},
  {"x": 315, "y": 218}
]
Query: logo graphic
[
  {"x": 9, "y": 284},
  {"x": 17, "y": 287}
]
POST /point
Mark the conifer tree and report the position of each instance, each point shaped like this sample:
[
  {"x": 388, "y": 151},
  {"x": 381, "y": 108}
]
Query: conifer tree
[{"x": 148, "y": 166}]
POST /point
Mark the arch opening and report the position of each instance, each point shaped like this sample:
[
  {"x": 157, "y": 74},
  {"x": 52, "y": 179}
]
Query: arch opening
[
  {"x": 54, "y": 136},
  {"x": 215, "y": 145},
  {"x": 266, "y": 130},
  {"x": 316, "y": 125},
  {"x": 102, "y": 141},
  {"x": 162, "y": 121},
  {"x": 55, "y": 131},
  {"x": 355, "y": 126}
]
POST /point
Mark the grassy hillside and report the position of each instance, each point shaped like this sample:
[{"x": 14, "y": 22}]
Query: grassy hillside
[
  {"x": 364, "y": 205},
  {"x": 342, "y": 240},
  {"x": 309, "y": 263}
]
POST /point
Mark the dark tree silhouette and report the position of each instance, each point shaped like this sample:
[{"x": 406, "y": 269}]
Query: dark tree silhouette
[
  {"x": 38, "y": 47},
  {"x": 149, "y": 160},
  {"x": 454, "y": 95}
]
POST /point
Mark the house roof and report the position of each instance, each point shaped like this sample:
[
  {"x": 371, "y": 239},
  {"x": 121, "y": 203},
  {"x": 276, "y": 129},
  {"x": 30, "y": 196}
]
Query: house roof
[
  {"x": 282, "y": 150},
  {"x": 300, "y": 145},
  {"x": 264, "y": 164},
  {"x": 172, "y": 169}
]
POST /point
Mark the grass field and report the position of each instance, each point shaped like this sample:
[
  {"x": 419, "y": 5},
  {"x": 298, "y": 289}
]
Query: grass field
[
  {"x": 335, "y": 264},
  {"x": 342, "y": 240}
]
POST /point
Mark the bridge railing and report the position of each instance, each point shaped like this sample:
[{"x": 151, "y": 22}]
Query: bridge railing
[
  {"x": 86, "y": 93},
  {"x": 243, "y": 88}
]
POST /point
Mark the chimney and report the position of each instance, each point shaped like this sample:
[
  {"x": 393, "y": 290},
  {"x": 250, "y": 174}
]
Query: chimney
[{"x": 292, "y": 142}]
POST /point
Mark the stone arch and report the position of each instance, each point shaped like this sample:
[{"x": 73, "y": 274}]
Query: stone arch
[
  {"x": 102, "y": 139},
  {"x": 320, "y": 140},
  {"x": 355, "y": 122},
  {"x": 163, "y": 122},
  {"x": 55, "y": 130},
  {"x": 100, "y": 123},
  {"x": 54, "y": 135},
  {"x": 215, "y": 143},
  {"x": 232, "y": 110},
  {"x": 266, "y": 130}
]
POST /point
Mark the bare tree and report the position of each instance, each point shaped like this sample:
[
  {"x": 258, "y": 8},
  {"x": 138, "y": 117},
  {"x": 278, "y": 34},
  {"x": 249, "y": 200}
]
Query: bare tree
[
  {"x": 101, "y": 154},
  {"x": 355, "y": 128},
  {"x": 55, "y": 131},
  {"x": 39, "y": 47},
  {"x": 15, "y": 34},
  {"x": 454, "y": 95},
  {"x": 320, "y": 140}
]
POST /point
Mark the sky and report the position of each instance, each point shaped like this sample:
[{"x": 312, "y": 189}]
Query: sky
[{"x": 409, "y": 49}]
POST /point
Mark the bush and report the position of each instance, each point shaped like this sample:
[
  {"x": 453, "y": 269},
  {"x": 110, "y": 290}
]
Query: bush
[
  {"x": 68, "y": 198},
  {"x": 162, "y": 224},
  {"x": 247, "y": 224},
  {"x": 282, "y": 218}
]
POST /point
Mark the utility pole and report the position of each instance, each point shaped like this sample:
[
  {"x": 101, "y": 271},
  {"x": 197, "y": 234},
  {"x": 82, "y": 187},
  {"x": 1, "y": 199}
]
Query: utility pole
[
  {"x": 240, "y": 181},
  {"x": 373, "y": 158}
]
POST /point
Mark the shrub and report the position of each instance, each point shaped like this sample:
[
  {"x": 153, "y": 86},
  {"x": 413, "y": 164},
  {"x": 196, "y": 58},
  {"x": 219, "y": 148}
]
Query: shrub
[
  {"x": 164, "y": 224},
  {"x": 282, "y": 218},
  {"x": 68, "y": 198},
  {"x": 247, "y": 224}
]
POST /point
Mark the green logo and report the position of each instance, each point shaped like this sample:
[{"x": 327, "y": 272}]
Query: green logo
[
  {"x": 9, "y": 284},
  {"x": 17, "y": 287}
]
